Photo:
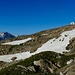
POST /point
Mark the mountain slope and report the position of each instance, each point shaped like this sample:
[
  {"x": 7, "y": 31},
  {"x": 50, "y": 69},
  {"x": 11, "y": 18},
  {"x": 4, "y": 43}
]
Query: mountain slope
[
  {"x": 55, "y": 44},
  {"x": 45, "y": 63},
  {"x": 60, "y": 42},
  {"x": 38, "y": 40}
]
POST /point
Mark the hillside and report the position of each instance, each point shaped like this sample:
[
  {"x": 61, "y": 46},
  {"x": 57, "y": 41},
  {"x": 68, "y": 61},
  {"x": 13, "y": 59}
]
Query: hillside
[
  {"x": 44, "y": 63},
  {"x": 32, "y": 45},
  {"x": 47, "y": 52}
]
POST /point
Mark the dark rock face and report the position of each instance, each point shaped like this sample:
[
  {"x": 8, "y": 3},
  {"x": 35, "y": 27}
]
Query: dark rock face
[{"x": 5, "y": 35}]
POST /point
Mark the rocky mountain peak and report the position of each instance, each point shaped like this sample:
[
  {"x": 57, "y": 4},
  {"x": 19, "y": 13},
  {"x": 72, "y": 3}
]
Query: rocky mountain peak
[{"x": 5, "y": 35}]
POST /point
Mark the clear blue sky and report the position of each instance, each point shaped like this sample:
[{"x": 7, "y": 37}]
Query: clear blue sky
[{"x": 30, "y": 16}]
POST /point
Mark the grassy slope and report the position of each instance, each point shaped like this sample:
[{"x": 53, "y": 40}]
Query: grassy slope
[{"x": 50, "y": 56}]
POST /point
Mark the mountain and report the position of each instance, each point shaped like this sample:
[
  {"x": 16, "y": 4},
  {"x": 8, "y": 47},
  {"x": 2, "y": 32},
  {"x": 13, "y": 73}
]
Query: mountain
[
  {"x": 5, "y": 35},
  {"x": 48, "y": 52}
]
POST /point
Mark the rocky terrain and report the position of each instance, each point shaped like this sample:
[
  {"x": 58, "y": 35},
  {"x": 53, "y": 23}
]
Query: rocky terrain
[
  {"x": 49, "y": 52},
  {"x": 32, "y": 45}
]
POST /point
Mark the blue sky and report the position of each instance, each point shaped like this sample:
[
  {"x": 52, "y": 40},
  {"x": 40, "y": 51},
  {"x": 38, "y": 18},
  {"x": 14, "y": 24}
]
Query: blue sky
[{"x": 30, "y": 16}]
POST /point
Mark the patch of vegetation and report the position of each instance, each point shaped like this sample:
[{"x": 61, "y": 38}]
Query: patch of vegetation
[{"x": 50, "y": 56}]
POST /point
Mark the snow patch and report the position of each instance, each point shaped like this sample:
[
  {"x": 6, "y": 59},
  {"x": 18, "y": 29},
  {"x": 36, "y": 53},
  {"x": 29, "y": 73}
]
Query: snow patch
[
  {"x": 70, "y": 61},
  {"x": 72, "y": 23},
  {"x": 18, "y": 42},
  {"x": 7, "y": 58},
  {"x": 61, "y": 73},
  {"x": 1, "y": 34}
]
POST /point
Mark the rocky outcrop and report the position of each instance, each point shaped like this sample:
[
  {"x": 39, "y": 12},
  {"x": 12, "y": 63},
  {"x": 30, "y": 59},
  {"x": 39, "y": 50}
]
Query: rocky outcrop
[
  {"x": 68, "y": 69},
  {"x": 44, "y": 65},
  {"x": 26, "y": 69},
  {"x": 39, "y": 65}
]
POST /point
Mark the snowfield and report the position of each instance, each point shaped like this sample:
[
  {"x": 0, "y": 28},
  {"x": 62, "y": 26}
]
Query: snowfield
[
  {"x": 56, "y": 45},
  {"x": 8, "y": 58},
  {"x": 18, "y": 42}
]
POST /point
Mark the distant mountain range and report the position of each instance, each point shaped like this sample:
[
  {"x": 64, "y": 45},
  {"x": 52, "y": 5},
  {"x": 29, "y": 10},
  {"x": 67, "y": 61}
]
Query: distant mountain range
[{"x": 5, "y": 35}]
